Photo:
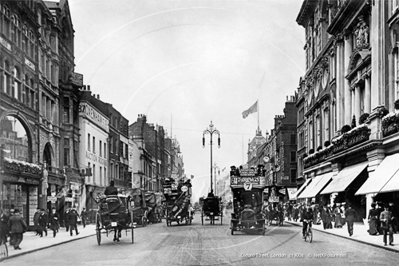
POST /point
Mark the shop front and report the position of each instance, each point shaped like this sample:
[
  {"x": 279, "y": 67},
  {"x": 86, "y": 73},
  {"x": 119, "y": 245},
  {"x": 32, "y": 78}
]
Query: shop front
[{"x": 20, "y": 188}]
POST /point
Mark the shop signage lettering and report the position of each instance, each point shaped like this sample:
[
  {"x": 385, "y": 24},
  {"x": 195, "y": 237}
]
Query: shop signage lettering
[
  {"x": 88, "y": 111},
  {"x": 30, "y": 64},
  {"x": 91, "y": 156},
  {"x": 5, "y": 43},
  {"x": 241, "y": 180},
  {"x": 247, "y": 172}
]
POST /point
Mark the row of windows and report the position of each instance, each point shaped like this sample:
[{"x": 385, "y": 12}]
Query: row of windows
[
  {"x": 21, "y": 35},
  {"x": 102, "y": 175},
  {"x": 92, "y": 147},
  {"x": 12, "y": 84}
]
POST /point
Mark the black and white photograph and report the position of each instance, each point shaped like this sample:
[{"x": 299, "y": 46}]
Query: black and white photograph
[{"x": 199, "y": 132}]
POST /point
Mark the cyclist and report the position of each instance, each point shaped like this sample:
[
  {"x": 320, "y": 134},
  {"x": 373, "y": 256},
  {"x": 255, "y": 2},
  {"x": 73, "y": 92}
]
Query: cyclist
[{"x": 306, "y": 218}]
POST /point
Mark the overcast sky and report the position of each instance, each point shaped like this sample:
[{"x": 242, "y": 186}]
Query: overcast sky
[{"x": 185, "y": 63}]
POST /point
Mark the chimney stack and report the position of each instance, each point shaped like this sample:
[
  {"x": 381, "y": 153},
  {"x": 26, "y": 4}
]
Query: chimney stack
[
  {"x": 98, "y": 96},
  {"x": 88, "y": 87}
]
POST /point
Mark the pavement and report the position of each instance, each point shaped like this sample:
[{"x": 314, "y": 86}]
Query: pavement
[
  {"x": 33, "y": 243},
  {"x": 360, "y": 234}
]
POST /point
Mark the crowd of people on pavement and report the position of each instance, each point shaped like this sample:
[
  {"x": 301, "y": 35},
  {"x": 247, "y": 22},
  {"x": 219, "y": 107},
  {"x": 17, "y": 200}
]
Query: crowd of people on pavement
[
  {"x": 382, "y": 218},
  {"x": 13, "y": 226}
]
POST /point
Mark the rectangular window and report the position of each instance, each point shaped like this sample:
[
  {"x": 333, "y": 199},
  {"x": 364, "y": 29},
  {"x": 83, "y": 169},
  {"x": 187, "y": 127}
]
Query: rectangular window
[
  {"x": 293, "y": 156},
  {"x": 100, "y": 148},
  {"x": 326, "y": 125},
  {"x": 105, "y": 150},
  {"x": 293, "y": 176},
  {"x": 66, "y": 156},
  {"x": 66, "y": 110},
  {"x": 101, "y": 176},
  {"x": 111, "y": 140},
  {"x": 105, "y": 175},
  {"x": 94, "y": 144},
  {"x": 94, "y": 173},
  {"x": 88, "y": 141},
  {"x": 88, "y": 177}
]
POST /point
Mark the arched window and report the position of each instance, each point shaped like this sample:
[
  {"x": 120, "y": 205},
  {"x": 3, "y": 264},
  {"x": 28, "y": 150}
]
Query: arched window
[
  {"x": 7, "y": 21},
  {"x": 17, "y": 84},
  {"x": 7, "y": 77},
  {"x": 25, "y": 91}
]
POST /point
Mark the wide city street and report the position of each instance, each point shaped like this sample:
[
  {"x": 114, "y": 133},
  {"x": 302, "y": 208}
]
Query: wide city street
[{"x": 196, "y": 244}]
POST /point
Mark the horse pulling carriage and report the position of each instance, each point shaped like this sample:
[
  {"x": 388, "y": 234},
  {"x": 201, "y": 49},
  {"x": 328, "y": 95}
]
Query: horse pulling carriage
[
  {"x": 177, "y": 202},
  {"x": 114, "y": 215},
  {"x": 247, "y": 186},
  {"x": 211, "y": 208}
]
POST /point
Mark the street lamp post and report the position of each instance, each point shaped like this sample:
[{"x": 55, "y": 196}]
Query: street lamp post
[{"x": 210, "y": 131}]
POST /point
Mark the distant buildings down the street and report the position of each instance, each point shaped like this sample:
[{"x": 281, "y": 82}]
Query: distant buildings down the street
[{"x": 61, "y": 144}]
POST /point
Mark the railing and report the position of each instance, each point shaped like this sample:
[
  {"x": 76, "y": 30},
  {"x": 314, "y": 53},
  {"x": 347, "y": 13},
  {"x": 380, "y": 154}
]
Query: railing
[
  {"x": 349, "y": 139},
  {"x": 390, "y": 124}
]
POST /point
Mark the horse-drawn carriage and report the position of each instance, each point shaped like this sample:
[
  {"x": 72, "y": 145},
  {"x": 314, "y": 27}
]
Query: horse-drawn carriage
[
  {"x": 211, "y": 209},
  {"x": 177, "y": 202},
  {"x": 247, "y": 186},
  {"x": 114, "y": 215},
  {"x": 154, "y": 206},
  {"x": 274, "y": 214}
]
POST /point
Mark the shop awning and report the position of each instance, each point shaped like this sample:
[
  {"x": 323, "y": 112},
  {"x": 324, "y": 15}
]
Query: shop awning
[
  {"x": 302, "y": 188},
  {"x": 320, "y": 182},
  {"x": 309, "y": 188},
  {"x": 379, "y": 180},
  {"x": 392, "y": 184},
  {"x": 344, "y": 178}
]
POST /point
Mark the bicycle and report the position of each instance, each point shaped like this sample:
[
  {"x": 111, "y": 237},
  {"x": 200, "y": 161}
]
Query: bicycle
[
  {"x": 308, "y": 232},
  {"x": 3, "y": 251}
]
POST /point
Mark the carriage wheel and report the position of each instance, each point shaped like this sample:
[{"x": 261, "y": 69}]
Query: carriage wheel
[
  {"x": 98, "y": 228},
  {"x": 202, "y": 217},
  {"x": 167, "y": 221},
  {"x": 143, "y": 221},
  {"x": 232, "y": 228},
  {"x": 98, "y": 233},
  {"x": 221, "y": 218}
]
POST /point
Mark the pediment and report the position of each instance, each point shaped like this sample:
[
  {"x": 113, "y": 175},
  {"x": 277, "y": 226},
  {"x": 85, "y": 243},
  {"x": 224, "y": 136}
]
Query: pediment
[{"x": 357, "y": 59}]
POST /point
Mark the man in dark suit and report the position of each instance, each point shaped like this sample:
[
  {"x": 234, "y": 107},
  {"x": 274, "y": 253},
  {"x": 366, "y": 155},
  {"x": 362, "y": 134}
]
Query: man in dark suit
[
  {"x": 73, "y": 221},
  {"x": 350, "y": 215},
  {"x": 111, "y": 190},
  {"x": 386, "y": 219},
  {"x": 17, "y": 227}
]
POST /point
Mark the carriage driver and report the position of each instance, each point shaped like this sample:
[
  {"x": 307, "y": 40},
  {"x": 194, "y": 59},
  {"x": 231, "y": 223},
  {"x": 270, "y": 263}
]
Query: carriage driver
[
  {"x": 111, "y": 190},
  {"x": 306, "y": 218}
]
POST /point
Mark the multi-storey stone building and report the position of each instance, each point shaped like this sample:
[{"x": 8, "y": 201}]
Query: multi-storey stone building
[
  {"x": 36, "y": 63},
  {"x": 349, "y": 87}
]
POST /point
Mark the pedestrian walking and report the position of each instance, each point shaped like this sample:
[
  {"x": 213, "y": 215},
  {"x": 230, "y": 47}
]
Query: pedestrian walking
[
  {"x": 386, "y": 219},
  {"x": 3, "y": 227},
  {"x": 43, "y": 220},
  {"x": 338, "y": 217},
  {"x": 373, "y": 220},
  {"x": 53, "y": 221},
  {"x": 36, "y": 220},
  {"x": 326, "y": 217},
  {"x": 66, "y": 219},
  {"x": 17, "y": 227},
  {"x": 83, "y": 216},
  {"x": 73, "y": 221},
  {"x": 380, "y": 209},
  {"x": 394, "y": 216},
  {"x": 350, "y": 216}
]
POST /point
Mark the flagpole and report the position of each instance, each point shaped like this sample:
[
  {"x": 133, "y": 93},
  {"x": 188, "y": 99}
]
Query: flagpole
[{"x": 259, "y": 99}]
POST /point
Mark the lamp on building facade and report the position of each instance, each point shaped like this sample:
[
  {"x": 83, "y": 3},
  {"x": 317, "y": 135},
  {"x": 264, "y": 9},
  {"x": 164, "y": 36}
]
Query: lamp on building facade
[{"x": 211, "y": 130}]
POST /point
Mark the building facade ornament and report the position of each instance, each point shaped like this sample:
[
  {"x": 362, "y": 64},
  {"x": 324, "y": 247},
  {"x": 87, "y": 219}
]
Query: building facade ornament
[{"x": 362, "y": 33}]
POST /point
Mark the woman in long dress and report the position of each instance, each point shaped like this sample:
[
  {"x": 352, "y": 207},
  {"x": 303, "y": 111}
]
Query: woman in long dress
[
  {"x": 373, "y": 219},
  {"x": 338, "y": 216}
]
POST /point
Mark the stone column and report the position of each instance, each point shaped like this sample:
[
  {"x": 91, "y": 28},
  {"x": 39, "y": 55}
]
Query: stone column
[
  {"x": 367, "y": 96},
  {"x": 339, "y": 86},
  {"x": 357, "y": 103},
  {"x": 379, "y": 59},
  {"x": 352, "y": 104},
  {"x": 347, "y": 92}
]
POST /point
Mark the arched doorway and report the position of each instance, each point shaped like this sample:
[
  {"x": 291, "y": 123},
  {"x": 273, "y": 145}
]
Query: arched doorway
[
  {"x": 47, "y": 156},
  {"x": 20, "y": 177}
]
